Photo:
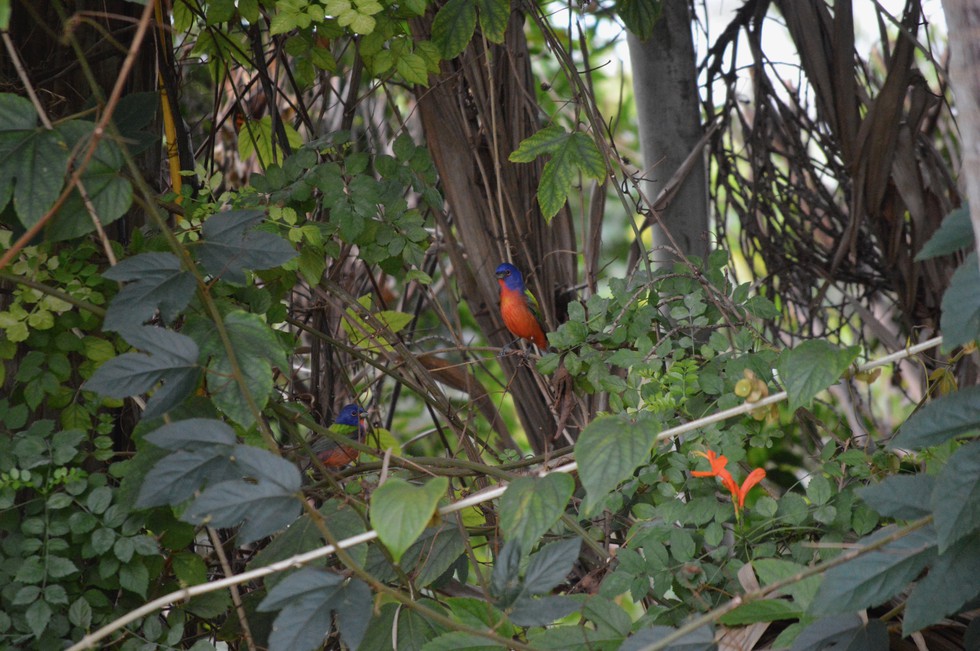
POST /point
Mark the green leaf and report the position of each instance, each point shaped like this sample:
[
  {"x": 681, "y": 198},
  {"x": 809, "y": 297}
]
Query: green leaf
[
  {"x": 257, "y": 136},
  {"x": 877, "y": 576},
  {"x": 306, "y": 600},
  {"x": 571, "y": 153},
  {"x": 607, "y": 614},
  {"x": 157, "y": 283},
  {"x": 191, "y": 434},
  {"x": 176, "y": 477},
  {"x": 951, "y": 582},
  {"x": 640, "y": 16},
  {"x": 956, "y": 498},
  {"x": 609, "y": 449},
  {"x": 58, "y": 567},
  {"x": 702, "y": 639},
  {"x": 532, "y": 505},
  {"x": 541, "y": 611},
  {"x": 954, "y": 234},
  {"x": 256, "y": 350},
  {"x": 550, "y": 565},
  {"x": 905, "y": 497},
  {"x": 437, "y": 553},
  {"x": 80, "y": 613},
  {"x": 764, "y": 610},
  {"x": 172, "y": 359},
  {"x": 135, "y": 578},
  {"x": 412, "y": 67},
  {"x": 844, "y": 632},
  {"x": 960, "y": 321},
  {"x": 266, "y": 498},
  {"x": 940, "y": 420},
  {"x": 505, "y": 581},
  {"x": 811, "y": 367},
  {"x": 460, "y": 641},
  {"x": 494, "y": 15},
  {"x": 303, "y": 536},
  {"x": 230, "y": 246},
  {"x": 110, "y": 192},
  {"x": 33, "y": 163},
  {"x": 400, "y": 511},
  {"x": 545, "y": 141},
  {"x": 453, "y": 27},
  {"x": 771, "y": 570},
  {"x": 220, "y": 11},
  {"x": 38, "y": 615}
]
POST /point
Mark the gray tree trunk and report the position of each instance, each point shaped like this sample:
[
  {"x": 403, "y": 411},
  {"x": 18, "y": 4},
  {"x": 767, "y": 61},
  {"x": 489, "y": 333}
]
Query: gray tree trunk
[
  {"x": 963, "y": 22},
  {"x": 669, "y": 116}
]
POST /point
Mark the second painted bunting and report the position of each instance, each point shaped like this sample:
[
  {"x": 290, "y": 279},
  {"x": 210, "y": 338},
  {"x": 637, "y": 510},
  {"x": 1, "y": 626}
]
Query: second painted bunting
[
  {"x": 337, "y": 455},
  {"x": 518, "y": 307}
]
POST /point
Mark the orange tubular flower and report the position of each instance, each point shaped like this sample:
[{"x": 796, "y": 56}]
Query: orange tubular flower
[
  {"x": 718, "y": 463},
  {"x": 754, "y": 478}
]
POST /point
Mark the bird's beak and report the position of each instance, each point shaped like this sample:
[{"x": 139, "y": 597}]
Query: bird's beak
[{"x": 501, "y": 274}]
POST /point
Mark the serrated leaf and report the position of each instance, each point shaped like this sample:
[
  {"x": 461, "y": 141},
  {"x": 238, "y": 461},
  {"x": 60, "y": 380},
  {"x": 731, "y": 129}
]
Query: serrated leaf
[
  {"x": 156, "y": 282},
  {"x": 905, "y": 497},
  {"x": 460, "y": 641},
  {"x": 505, "y": 580},
  {"x": 192, "y": 434},
  {"x": 960, "y": 320},
  {"x": 412, "y": 67},
  {"x": 256, "y": 136},
  {"x": 400, "y": 511},
  {"x": 571, "y": 153},
  {"x": 764, "y": 610},
  {"x": 844, "y": 632},
  {"x": 178, "y": 476},
  {"x": 956, "y": 497},
  {"x": 812, "y": 367},
  {"x": 230, "y": 246},
  {"x": 33, "y": 163},
  {"x": 946, "y": 588},
  {"x": 437, "y": 554},
  {"x": 256, "y": 350},
  {"x": 954, "y": 234},
  {"x": 771, "y": 570},
  {"x": 80, "y": 613},
  {"x": 542, "y": 611},
  {"x": 38, "y": 615},
  {"x": 172, "y": 360},
  {"x": 494, "y": 15},
  {"x": 702, "y": 639},
  {"x": 545, "y": 141},
  {"x": 453, "y": 27},
  {"x": 877, "y": 576},
  {"x": 266, "y": 499},
  {"x": 135, "y": 578},
  {"x": 532, "y": 505},
  {"x": 550, "y": 565},
  {"x": 110, "y": 192},
  {"x": 940, "y": 420},
  {"x": 640, "y": 16},
  {"x": 306, "y": 600},
  {"x": 609, "y": 449}
]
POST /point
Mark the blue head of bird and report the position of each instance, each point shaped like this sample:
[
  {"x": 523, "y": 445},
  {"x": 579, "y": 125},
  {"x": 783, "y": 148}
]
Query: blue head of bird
[
  {"x": 350, "y": 415},
  {"x": 511, "y": 276}
]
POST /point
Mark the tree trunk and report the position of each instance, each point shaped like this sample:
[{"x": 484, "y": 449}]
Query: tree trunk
[
  {"x": 669, "y": 117},
  {"x": 476, "y": 113},
  {"x": 963, "y": 22}
]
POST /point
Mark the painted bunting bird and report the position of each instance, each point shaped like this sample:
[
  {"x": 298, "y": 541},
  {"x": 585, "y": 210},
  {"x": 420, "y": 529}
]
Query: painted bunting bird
[
  {"x": 518, "y": 307},
  {"x": 337, "y": 455}
]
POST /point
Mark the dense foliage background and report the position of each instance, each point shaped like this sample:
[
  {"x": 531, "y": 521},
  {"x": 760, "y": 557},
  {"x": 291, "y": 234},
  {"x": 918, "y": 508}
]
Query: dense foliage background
[{"x": 222, "y": 221}]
